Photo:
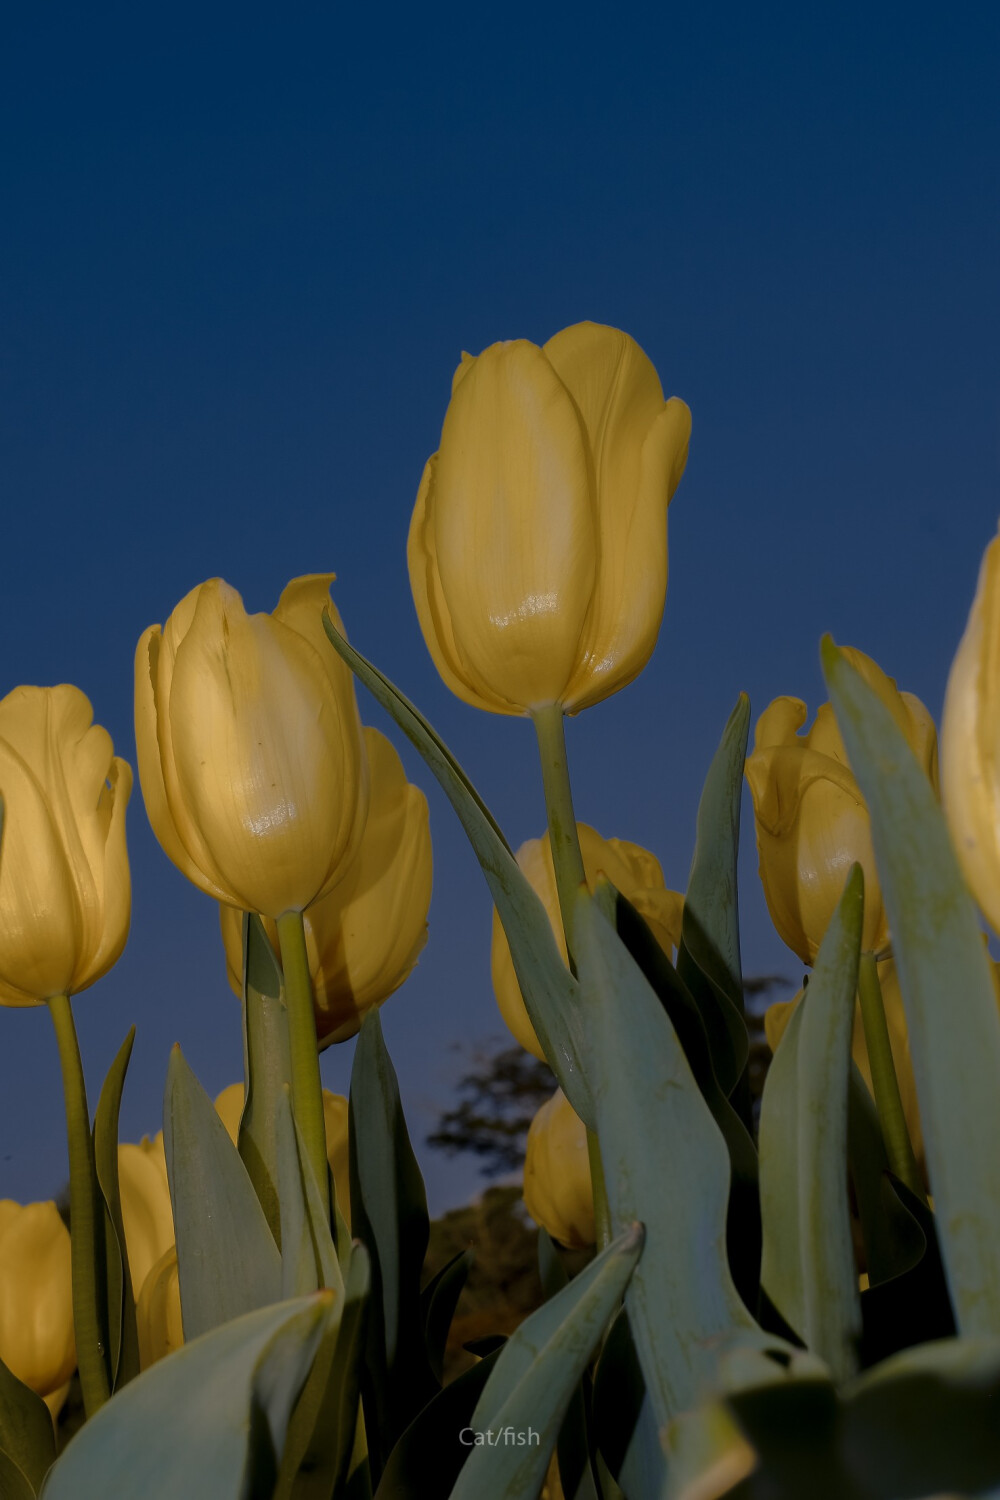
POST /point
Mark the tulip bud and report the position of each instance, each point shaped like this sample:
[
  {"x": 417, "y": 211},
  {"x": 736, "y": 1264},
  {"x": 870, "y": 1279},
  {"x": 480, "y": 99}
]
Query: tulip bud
[
  {"x": 249, "y": 746},
  {"x": 538, "y": 544},
  {"x": 812, "y": 821},
  {"x": 229, "y": 1108},
  {"x": 557, "y": 1188},
  {"x": 363, "y": 939},
  {"x": 65, "y": 894},
  {"x": 970, "y": 743},
  {"x": 158, "y": 1311},
  {"x": 631, "y": 869},
  {"x": 36, "y": 1299}
]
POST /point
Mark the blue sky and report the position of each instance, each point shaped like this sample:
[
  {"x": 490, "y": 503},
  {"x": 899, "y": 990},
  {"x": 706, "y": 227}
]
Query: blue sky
[{"x": 242, "y": 249}]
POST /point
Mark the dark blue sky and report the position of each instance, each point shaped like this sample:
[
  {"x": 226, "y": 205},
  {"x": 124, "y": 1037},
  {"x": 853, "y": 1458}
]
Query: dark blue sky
[{"x": 241, "y": 250}]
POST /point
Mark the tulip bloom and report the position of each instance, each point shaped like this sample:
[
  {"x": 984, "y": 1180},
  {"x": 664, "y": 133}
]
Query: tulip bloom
[
  {"x": 158, "y": 1311},
  {"x": 812, "y": 821},
  {"x": 363, "y": 939},
  {"x": 249, "y": 745},
  {"x": 229, "y": 1108},
  {"x": 146, "y": 1210},
  {"x": 970, "y": 743},
  {"x": 557, "y": 1188},
  {"x": 631, "y": 869},
  {"x": 65, "y": 893},
  {"x": 36, "y": 1299},
  {"x": 538, "y": 544}
]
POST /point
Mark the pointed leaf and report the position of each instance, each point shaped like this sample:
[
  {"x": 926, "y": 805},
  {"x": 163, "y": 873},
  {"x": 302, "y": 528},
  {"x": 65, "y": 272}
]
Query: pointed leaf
[
  {"x": 947, "y": 989},
  {"x": 227, "y": 1261},
  {"x": 26, "y": 1435},
  {"x": 123, "y": 1339},
  {"x": 438, "y": 1302},
  {"x": 266, "y": 1065},
  {"x": 573, "y": 1447},
  {"x": 537, "y": 1371},
  {"x": 207, "y": 1422},
  {"x": 625, "y": 1424},
  {"x": 808, "y": 1265},
  {"x": 547, "y": 986},
  {"x": 429, "y": 1456}
]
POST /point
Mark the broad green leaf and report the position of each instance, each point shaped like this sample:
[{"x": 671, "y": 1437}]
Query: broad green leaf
[
  {"x": 227, "y": 1260},
  {"x": 123, "y": 1340},
  {"x": 26, "y": 1435},
  {"x": 438, "y": 1301},
  {"x": 808, "y": 1266},
  {"x": 947, "y": 989},
  {"x": 665, "y": 1164},
  {"x": 548, "y": 988},
  {"x": 389, "y": 1216},
  {"x": 206, "y": 1423},
  {"x": 539, "y": 1367},
  {"x": 429, "y": 1456},
  {"x": 266, "y": 1065},
  {"x": 13, "y": 1481},
  {"x": 709, "y": 956},
  {"x": 321, "y": 1433}
]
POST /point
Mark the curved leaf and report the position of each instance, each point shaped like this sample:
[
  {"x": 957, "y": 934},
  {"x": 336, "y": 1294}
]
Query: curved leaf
[
  {"x": 438, "y": 1302},
  {"x": 26, "y": 1435},
  {"x": 123, "y": 1338},
  {"x": 266, "y": 1066}
]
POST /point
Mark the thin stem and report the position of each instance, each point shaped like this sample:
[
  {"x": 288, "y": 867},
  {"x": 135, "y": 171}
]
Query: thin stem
[
  {"x": 86, "y": 1215},
  {"x": 307, "y": 1088},
  {"x": 888, "y": 1103}
]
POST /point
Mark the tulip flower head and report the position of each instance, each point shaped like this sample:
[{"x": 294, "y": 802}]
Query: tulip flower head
[
  {"x": 36, "y": 1299},
  {"x": 811, "y": 819},
  {"x": 558, "y": 1193},
  {"x": 364, "y": 938},
  {"x": 249, "y": 744},
  {"x": 65, "y": 892},
  {"x": 538, "y": 544},
  {"x": 631, "y": 869}
]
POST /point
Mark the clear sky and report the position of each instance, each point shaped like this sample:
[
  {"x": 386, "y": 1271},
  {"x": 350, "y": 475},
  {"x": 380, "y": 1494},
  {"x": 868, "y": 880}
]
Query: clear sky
[{"x": 241, "y": 251}]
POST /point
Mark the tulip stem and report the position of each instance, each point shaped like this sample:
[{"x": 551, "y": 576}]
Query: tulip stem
[
  {"x": 307, "y": 1087},
  {"x": 86, "y": 1215},
  {"x": 563, "y": 835},
  {"x": 888, "y": 1103}
]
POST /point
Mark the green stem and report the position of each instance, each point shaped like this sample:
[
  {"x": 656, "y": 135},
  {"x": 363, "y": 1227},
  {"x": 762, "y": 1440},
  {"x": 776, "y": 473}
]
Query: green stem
[
  {"x": 86, "y": 1215},
  {"x": 888, "y": 1103},
  {"x": 307, "y": 1088},
  {"x": 567, "y": 860}
]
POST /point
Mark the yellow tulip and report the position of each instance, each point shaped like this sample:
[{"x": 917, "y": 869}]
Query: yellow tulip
[
  {"x": 812, "y": 821},
  {"x": 970, "y": 743},
  {"x": 229, "y": 1107},
  {"x": 557, "y": 1189},
  {"x": 65, "y": 893},
  {"x": 364, "y": 938},
  {"x": 631, "y": 869},
  {"x": 158, "y": 1311},
  {"x": 777, "y": 1017},
  {"x": 249, "y": 745},
  {"x": 36, "y": 1299},
  {"x": 146, "y": 1211},
  {"x": 538, "y": 544}
]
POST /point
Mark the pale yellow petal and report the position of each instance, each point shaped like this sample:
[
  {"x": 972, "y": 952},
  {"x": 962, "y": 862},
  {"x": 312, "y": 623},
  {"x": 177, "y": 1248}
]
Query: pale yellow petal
[
  {"x": 557, "y": 1187},
  {"x": 36, "y": 1298},
  {"x": 146, "y": 1211}
]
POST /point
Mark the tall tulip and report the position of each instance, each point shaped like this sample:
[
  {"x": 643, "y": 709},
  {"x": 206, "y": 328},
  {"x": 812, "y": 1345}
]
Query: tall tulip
[
  {"x": 630, "y": 868},
  {"x": 538, "y": 544},
  {"x": 557, "y": 1187},
  {"x": 970, "y": 743},
  {"x": 364, "y": 937},
  {"x": 36, "y": 1299},
  {"x": 811, "y": 819}
]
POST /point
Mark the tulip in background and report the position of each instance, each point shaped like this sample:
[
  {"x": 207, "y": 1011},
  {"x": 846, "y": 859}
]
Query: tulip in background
[
  {"x": 631, "y": 869},
  {"x": 36, "y": 1299},
  {"x": 557, "y": 1189},
  {"x": 364, "y": 938},
  {"x": 229, "y": 1108},
  {"x": 538, "y": 544},
  {"x": 812, "y": 822}
]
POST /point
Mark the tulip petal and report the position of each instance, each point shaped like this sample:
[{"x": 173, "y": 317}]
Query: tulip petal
[{"x": 36, "y": 1299}]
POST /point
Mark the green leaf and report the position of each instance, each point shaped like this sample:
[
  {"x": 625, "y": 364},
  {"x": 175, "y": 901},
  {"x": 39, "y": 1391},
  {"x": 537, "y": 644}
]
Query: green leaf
[
  {"x": 322, "y": 1430},
  {"x": 808, "y": 1268},
  {"x": 389, "y": 1216},
  {"x": 665, "y": 1164},
  {"x": 266, "y": 1065},
  {"x": 26, "y": 1435},
  {"x": 573, "y": 1447},
  {"x": 123, "y": 1339},
  {"x": 534, "y": 1378},
  {"x": 208, "y": 1422},
  {"x": 309, "y": 1256},
  {"x": 947, "y": 989},
  {"x": 709, "y": 956},
  {"x": 625, "y": 1425},
  {"x": 548, "y": 988},
  {"x": 227, "y": 1260},
  {"x": 438, "y": 1302},
  {"x": 13, "y": 1483},
  {"x": 429, "y": 1456}
]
